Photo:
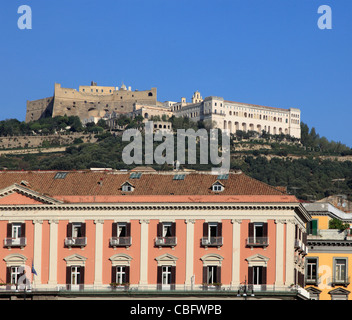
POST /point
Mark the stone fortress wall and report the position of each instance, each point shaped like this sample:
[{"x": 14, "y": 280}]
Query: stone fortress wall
[{"x": 89, "y": 101}]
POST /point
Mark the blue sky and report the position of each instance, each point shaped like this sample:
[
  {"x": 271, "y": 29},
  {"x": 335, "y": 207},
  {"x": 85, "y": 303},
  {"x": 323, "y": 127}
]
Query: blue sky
[{"x": 261, "y": 52}]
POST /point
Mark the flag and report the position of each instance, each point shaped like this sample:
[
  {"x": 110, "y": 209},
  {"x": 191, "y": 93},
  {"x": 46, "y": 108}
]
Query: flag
[{"x": 33, "y": 270}]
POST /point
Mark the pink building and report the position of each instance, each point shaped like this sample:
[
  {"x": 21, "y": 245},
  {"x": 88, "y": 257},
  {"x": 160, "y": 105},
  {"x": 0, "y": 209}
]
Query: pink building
[{"x": 161, "y": 232}]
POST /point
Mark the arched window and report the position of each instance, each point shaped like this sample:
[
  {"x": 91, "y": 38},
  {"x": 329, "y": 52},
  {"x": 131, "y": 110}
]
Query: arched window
[{"x": 150, "y": 94}]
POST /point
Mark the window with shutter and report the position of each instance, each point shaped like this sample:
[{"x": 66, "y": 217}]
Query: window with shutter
[
  {"x": 311, "y": 270},
  {"x": 113, "y": 274},
  {"x": 121, "y": 234},
  {"x": 69, "y": 230},
  {"x": 205, "y": 229},
  {"x": 250, "y": 275},
  {"x": 312, "y": 227},
  {"x": 205, "y": 275},
  {"x": 127, "y": 274},
  {"x": 166, "y": 234},
  {"x": 121, "y": 274},
  {"x": 159, "y": 277},
  {"x": 257, "y": 234},
  {"x": 128, "y": 229},
  {"x": 76, "y": 234},
  {"x": 114, "y": 230},
  {"x": 173, "y": 277},
  {"x": 212, "y": 234}
]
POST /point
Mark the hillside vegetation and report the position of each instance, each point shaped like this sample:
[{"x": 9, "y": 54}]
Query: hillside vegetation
[{"x": 301, "y": 166}]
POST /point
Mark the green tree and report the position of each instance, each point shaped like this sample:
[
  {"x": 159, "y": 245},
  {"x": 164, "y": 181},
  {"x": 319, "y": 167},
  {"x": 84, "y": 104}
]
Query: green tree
[{"x": 338, "y": 224}]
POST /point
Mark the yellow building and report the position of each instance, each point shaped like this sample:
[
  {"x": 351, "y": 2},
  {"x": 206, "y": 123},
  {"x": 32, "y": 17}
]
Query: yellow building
[{"x": 327, "y": 270}]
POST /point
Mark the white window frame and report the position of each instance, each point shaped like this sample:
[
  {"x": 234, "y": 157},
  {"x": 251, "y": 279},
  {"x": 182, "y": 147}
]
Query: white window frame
[
  {"x": 16, "y": 230},
  {"x": 166, "y": 227},
  {"x": 120, "y": 274},
  {"x": 255, "y": 226},
  {"x": 212, "y": 225},
  {"x": 257, "y": 270},
  {"x": 15, "y": 274},
  {"x": 166, "y": 275},
  {"x": 341, "y": 267},
  {"x": 75, "y": 274},
  {"x": 217, "y": 188},
  {"x": 120, "y": 227},
  {"x": 211, "y": 274},
  {"x": 310, "y": 265},
  {"x": 76, "y": 229},
  {"x": 126, "y": 187}
]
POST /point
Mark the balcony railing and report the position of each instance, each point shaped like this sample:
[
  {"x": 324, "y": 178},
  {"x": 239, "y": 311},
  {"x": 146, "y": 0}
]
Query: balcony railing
[
  {"x": 120, "y": 241},
  {"x": 257, "y": 241},
  {"x": 166, "y": 241},
  {"x": 15, "y": 242},
  {"x": 76, "y": 241},
  {"x": 212, "y": 241},
  {"x": 312, "y": 281},
  {"x": 344, "y": 281},
  {"x": 297, "y": 244},
  {"x": 301, "y": 247}
]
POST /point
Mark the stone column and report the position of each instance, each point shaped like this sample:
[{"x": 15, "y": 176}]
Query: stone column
[
  {"x": 37, "y": 251},
  {"x": 143, "y": 274},
  {"x": 236, "y": 245},
  {"x": 53, "y": 244},
  {"x": 189, "y": 253},
  {"x": 98, "y": 267},
  {"x": 279, "y": 258},
  {"x": 290, "y": 249}
]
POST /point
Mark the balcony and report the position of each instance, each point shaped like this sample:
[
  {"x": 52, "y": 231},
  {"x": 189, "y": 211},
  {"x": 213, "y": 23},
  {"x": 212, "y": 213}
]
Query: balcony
[
  {"x": 120, "y": 241},
  {"x": 165, "y": 241},
  {"x": 311, "y": 281},
  {"x": 257, "y": 241},
  {"x": 15, "y": 242},
  {"x": 297, "y": 244},
  {"x": 212, "y": 241},
  {"x": 75, "y": 241},
  {"x": 340, "y": 281}
]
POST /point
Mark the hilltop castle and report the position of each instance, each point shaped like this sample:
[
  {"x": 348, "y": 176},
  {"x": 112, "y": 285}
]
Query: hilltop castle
[
  {"x": 88, "y": 101},
  {"x": 94, "y": 102}
]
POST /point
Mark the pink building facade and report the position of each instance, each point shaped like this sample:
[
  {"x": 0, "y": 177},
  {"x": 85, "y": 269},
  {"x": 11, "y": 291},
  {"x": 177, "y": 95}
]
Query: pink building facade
[{"x": 212, "y": 242}]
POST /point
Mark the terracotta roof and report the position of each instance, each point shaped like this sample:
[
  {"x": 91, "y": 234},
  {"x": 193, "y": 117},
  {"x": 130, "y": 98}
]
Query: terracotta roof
[{"x": 89, "y": 184}]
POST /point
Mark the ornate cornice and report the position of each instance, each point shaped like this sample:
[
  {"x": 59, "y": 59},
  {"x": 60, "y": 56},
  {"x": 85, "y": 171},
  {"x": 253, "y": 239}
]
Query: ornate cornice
[
  {"x": 335, "y": 243},
  {"x": 129, "y": 207}
]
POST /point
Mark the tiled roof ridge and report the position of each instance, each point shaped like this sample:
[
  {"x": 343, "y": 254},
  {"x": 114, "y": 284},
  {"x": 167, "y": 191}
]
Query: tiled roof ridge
[
  {"x": 267, "y": 185},
  {"x": 86, "y": 182}
]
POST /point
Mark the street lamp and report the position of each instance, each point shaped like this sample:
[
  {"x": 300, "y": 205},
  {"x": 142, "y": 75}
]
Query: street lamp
[{"x": 245, "y": 290}]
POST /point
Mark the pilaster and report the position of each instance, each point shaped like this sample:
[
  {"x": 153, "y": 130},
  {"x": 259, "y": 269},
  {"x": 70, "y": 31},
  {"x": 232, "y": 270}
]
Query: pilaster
[
  {"x": 98, "y": 268},
  {"x": 189, "y": 252},
  {"x": 143, "y": 276},
  {"x": 53, "y": 246},
  {"x": 236, "y": 245}
]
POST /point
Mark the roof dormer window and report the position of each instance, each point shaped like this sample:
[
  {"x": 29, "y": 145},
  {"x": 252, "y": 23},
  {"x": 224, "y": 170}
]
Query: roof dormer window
[
  {"x": 217, "y": 187},
  {"x": 127, "y": 187}
]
